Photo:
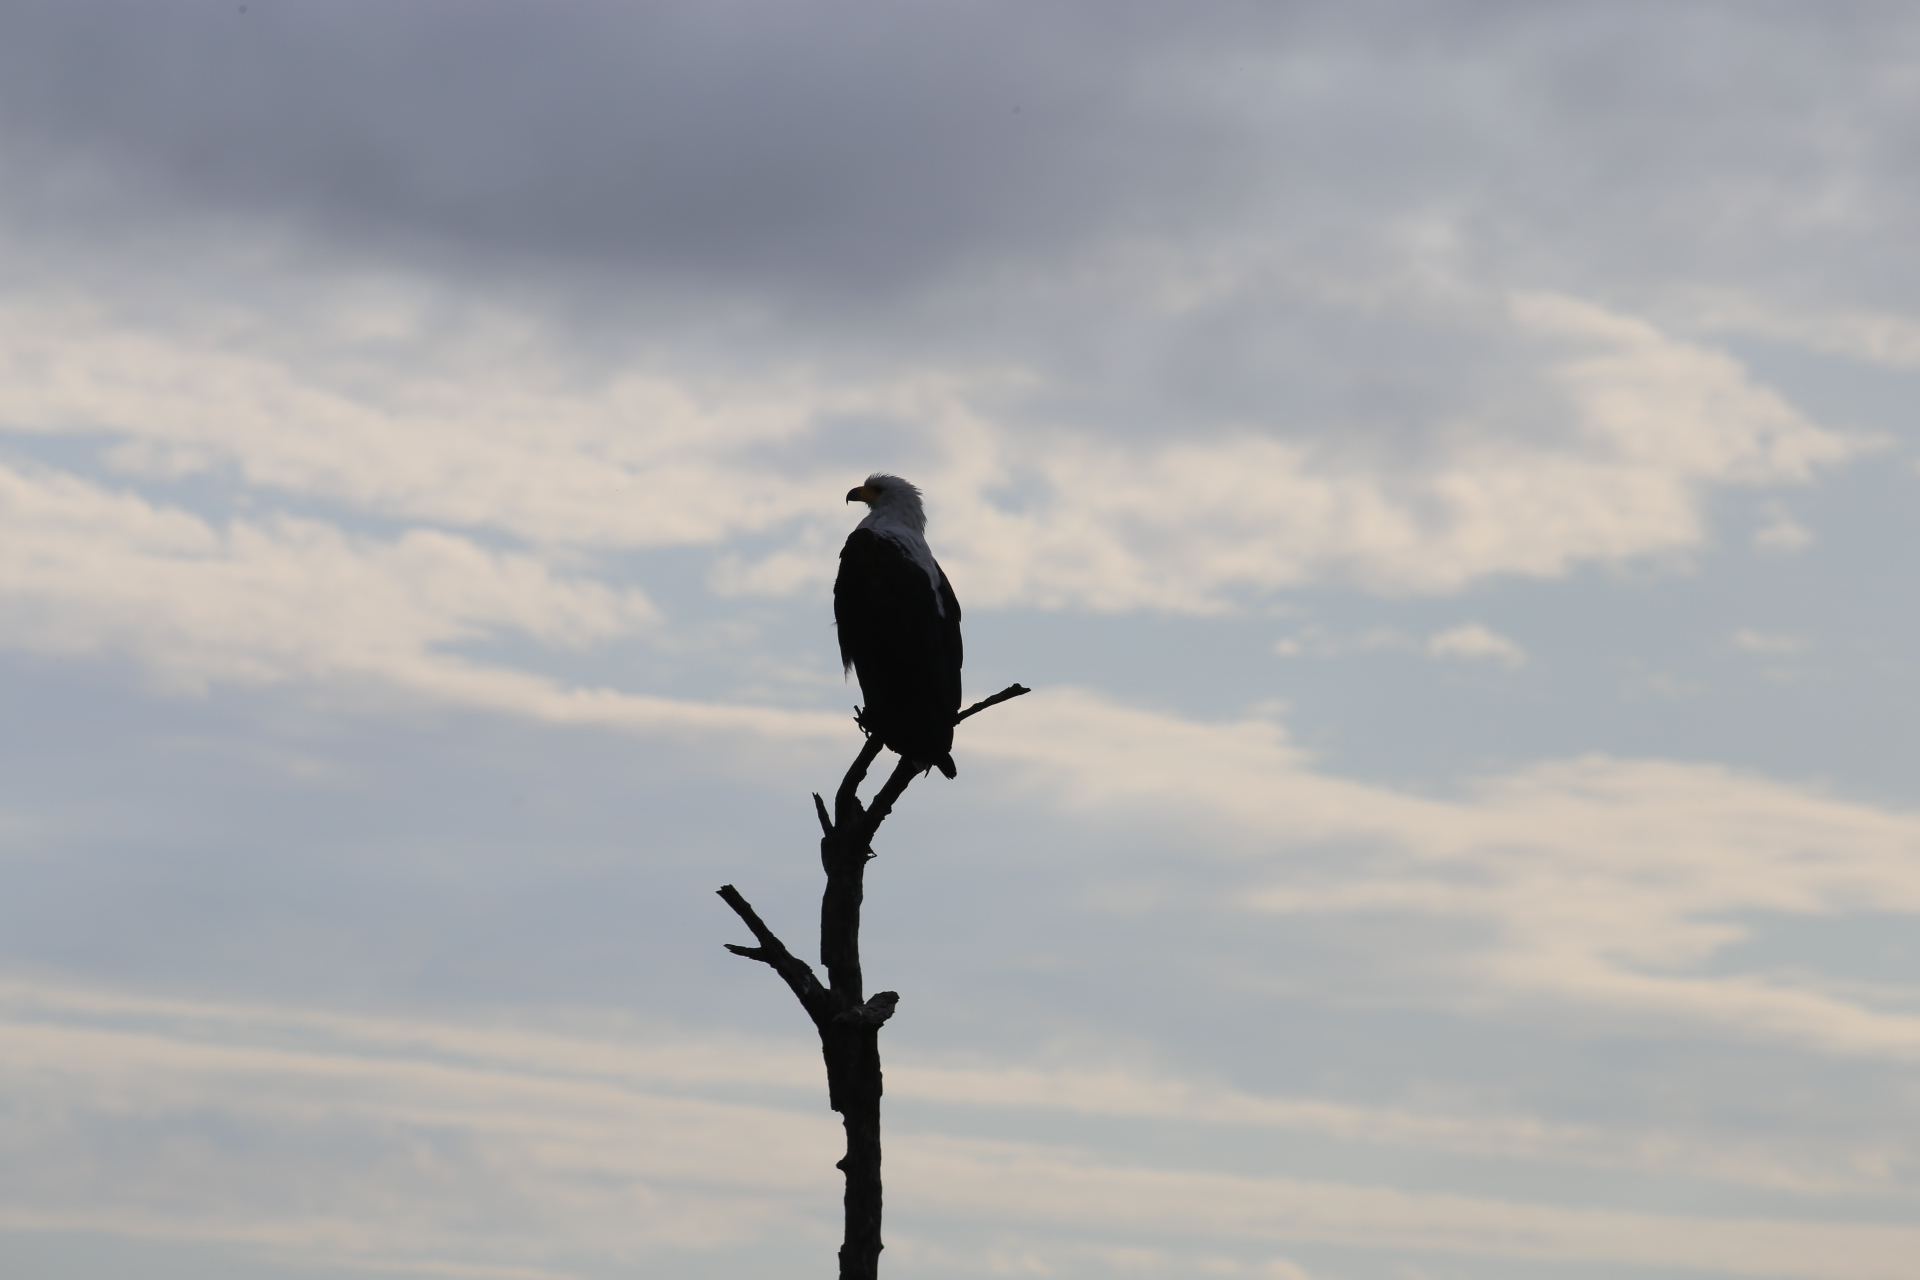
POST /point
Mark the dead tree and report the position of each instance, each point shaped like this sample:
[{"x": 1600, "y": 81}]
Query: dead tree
[{"x": 848, "y": 1021}]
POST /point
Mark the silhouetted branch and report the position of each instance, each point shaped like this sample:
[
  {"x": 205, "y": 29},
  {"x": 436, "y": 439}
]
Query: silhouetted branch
[
  {"x": 773, "y": 952},
  {"x": 1011, "y": 691},
  {"x": 849, "y": 1024},
  {"x": 882, "y": 803},
  {"x": 873, "y": 1012},
  {"x": 846, "y": 801}
]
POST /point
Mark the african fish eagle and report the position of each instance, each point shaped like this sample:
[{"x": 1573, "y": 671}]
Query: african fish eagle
[{"x": 899, "y": 625}]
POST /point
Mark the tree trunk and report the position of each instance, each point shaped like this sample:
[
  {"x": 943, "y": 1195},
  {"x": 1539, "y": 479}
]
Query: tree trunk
[{"x": 857, "y": 1053}]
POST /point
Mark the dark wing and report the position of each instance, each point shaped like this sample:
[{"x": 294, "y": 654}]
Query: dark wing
[
  {"x": 954, "y": 652},
  {"x": 905, "y": 653}
]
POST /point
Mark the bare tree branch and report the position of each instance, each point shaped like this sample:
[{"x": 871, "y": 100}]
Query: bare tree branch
[
  {"x": 773, "y": 952},
  {"x": 882, "y": 803},
  {"x": 873, "y": 1012},
  {"x": 846, "y": 801},
  {"x": 849, "y": 1024},
  {"x": 1011, "y": 691}
]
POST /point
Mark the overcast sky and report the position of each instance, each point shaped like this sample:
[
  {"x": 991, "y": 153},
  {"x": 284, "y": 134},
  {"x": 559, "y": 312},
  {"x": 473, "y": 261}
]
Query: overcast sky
[{"x": 1447, "y": 470}]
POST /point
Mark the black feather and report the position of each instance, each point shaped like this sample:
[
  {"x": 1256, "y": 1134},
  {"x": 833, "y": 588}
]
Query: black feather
[{"x": 905, "y": 651}]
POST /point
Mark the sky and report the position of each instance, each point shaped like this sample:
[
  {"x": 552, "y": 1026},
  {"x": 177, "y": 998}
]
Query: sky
[{"x": 1446, "y": 470}]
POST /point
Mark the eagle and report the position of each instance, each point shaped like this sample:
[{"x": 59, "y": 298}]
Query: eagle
[{"x": 899, "y": 625}]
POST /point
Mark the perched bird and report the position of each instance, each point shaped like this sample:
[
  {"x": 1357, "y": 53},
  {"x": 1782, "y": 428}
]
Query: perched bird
[{"x": 899, "y": 625}]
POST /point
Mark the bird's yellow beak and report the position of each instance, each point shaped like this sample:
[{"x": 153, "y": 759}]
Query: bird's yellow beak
[{"x": 861, "y": 493}]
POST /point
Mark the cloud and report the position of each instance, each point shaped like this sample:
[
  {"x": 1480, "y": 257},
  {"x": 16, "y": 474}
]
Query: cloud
[
  {"x": 368, "y": 1141},
  {"x": 1886, "y": 338},
  {"x": 1837, "y": 1165},
  {"x": 1476, "y": 642},
  {"x": 356, "y": 350},
  {"x": 775, "y": 1072},
  {"x": 1470, "y": 641},
  {"x": 861, "y": 152},
  {"x": 1781, "y": 532},
  {"x": 1627, "y": 432},
  {"x": 385, "y": 1160},
  {"x": 1669, "y": 851},
  {"x": 1686, "y": 408},
  {"x": 1024, "y": 1183},
  {"x": 1123, "y": 393},
  {"x": 1768, "y": 643},
  {"x": 492, "y": 430},
  {"x": 89, "y": 570},
  {"x": 852, "y": 148},
  {"x": 1603, "y": 884},
  {"x": 467, "y": 428}
]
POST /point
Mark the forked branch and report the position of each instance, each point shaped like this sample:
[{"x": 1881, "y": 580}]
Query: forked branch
[{"x": 848, "y": 1022}]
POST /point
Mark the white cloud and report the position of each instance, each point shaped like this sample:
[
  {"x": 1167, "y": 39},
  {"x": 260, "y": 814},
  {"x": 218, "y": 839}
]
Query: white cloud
[
  {"x": 1839, "y": 1166},
  {"x": 90, "y": 570},
  {"x": 1781, "y": 532},
  {"x": 370, "y": 1141},
  {"x": 385, "y": 1158},
  {"x": 1314, "y": 641},
  {"x": 485, "y": 427},
  {"x": 490, "y": 427},
  {"x": 1882, "y": 337},
  {"x": 1474, "y": 641},
  {"x": 1317, "y": 641},
  {"x": 1603, "y": 884},
  {"x": 1470, "y": 641},
  {"x": 1636, "y": 426},
  {"x": 1026, "y": 1183},
  {"x": 765, "y": 1071},
  {"x": 1648, "y": 398},
  {"x": 1772, "y": 644}
]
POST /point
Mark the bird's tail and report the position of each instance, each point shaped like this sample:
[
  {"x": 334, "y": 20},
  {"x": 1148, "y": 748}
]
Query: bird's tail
[{"x": 945, "y": 765}]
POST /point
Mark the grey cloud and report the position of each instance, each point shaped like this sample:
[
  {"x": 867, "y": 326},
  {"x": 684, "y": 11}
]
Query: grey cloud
[
  {"x": 863, "y": 149},
  {"x": 880, "y": 178},
  {"x": 846, "y": 145}
]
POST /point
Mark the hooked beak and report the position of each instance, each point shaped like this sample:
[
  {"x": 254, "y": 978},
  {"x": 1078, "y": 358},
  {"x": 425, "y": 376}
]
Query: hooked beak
[{"x": 860, "y": 493}]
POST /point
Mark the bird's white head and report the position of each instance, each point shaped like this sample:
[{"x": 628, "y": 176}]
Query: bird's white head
[{"x": 891, "y": 498}]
